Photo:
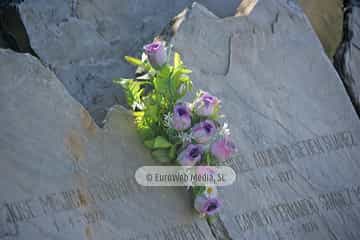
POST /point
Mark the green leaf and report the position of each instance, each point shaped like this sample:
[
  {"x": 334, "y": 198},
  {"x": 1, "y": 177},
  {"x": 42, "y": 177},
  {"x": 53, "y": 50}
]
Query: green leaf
[
  {"x": 151, "y": 112},
  {"x": 149, "y": 143},
  {"x": 185, "y": 71},
  {"x": 133, "y": 91},
  {"x": 215, "y": 115},
  {"x": 172, "y": 152},
  {"x": 210, "y": 160},
  {"x": 177, "y": 60},
  {"x": 134, "y": 61},
  {"x": 197, "y": 190},
  {"x": 161, "y": 155},
  {"x": 184, "y": 79},
  {"x": 161, "y": 142},
  {"x": 145, "y": 132},
  {"x": 212, "y": 219},
  {"x": 162, "y": 82}
]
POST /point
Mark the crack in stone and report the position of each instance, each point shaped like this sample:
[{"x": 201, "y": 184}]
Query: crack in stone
[
  {"x": 218, "y": 229},
  {"x": 274, "y": 22},
  {"x": 74, "y": 7}
]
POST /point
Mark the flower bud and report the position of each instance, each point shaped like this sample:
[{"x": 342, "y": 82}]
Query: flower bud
[
  {"x": 181, "y": 119},
  {"x": 223, "y": 149},
  {"x": 206, "y": 104},
  {"x": 207, "y": 205},
  {"x": 203, "y": 131},
  {"x": 190, "y": 155},
  {"x": 156, "y": 54}
]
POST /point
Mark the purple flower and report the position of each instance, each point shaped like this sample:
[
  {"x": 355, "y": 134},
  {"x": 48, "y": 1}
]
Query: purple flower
[
  {"x": 207, "y": 205},
  {"x": 181, "y": 119},
  {"x": 190, "y": 155},
  {"x": 156, "y": 53},
  {"x": 223, "y": 149},
  {"x": 203, "y": 131},
  {"x": 206, "y": 104}
]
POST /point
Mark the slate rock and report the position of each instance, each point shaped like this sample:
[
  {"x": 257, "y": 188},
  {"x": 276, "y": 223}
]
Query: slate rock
[
  {"x": 347, "y": 60},
  {"x": 84, "y": 42},
  {"x": 62, "y": 177},
  {"x": 297, "y": 133}
]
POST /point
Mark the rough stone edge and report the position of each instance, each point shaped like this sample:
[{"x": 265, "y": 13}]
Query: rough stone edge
[
  {"x": 31, "y": 59},
  {"x": 342, "y": 55},
  {"x": 175, "y": 24},
  {"x": 13, "y": 7},
  {"x": 216, "y": 224}
]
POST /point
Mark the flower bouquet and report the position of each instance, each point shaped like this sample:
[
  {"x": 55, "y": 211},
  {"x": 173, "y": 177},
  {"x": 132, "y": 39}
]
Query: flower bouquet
[{"x": 177, "y": 132}]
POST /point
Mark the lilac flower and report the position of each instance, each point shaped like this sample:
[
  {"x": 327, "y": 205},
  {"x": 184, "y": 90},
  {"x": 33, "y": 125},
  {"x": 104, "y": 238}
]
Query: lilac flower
[
  {"x": 156, "y": 53},
  {"x": 181, "y": 118},
  {"x": 206, "y": 104},
  {"x": 223, "y": 149},
  {"x": 206, "y": 205},
  {"x": 203, "y": 131},
  {"x": 190, "y": 155}
]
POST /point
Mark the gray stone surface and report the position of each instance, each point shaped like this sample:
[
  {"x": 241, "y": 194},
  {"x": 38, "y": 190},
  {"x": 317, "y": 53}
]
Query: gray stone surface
[
  {"x": 84, "y": 42},
  {"x": 62, "y": 177},
  {"x": 347, "y": 59},
  {"x": 297, "y": 133}
]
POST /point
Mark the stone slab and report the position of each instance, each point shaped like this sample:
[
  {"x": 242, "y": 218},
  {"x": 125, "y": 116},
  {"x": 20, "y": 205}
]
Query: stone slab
[
  {"x": 297, "y": 133},
  {"x": 84, "y": 42},
  {"x": 62, "y": 177}
]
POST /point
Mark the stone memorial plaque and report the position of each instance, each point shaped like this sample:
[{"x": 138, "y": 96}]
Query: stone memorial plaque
[
  {"x": 62, "y": 177},
  {"x": 296, "y": 130},
  {"x": 84, "y": 42}
]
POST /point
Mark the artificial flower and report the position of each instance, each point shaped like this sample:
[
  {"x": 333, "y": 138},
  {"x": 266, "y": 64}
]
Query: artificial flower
[
  {"x": 190, "y": 155},
  {"x": 156, "y": 54},
  {"x": 202, "y": 132},
  {"x": 181, "y": 117},
  {"x": 206, "y": 104},
  {"x": 207, "y": 205},
  {"x": 223, "y": 149}
]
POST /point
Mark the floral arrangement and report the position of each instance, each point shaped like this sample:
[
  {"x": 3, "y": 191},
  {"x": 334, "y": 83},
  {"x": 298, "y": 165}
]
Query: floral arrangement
[{"x": 177, "y": 132}]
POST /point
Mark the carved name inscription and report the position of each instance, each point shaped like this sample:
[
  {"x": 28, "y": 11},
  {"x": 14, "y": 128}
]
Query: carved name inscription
[
  {"x": 7, "y": 228},
  {"x": 73, "y": 220},
  {"x": 305, "y": 148},
  {"x": 298, "y": 150},
  {"x": 27, "y": 209},
  {"x": 269, "y": 169},
  {"x": 303, "y": 208}
]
